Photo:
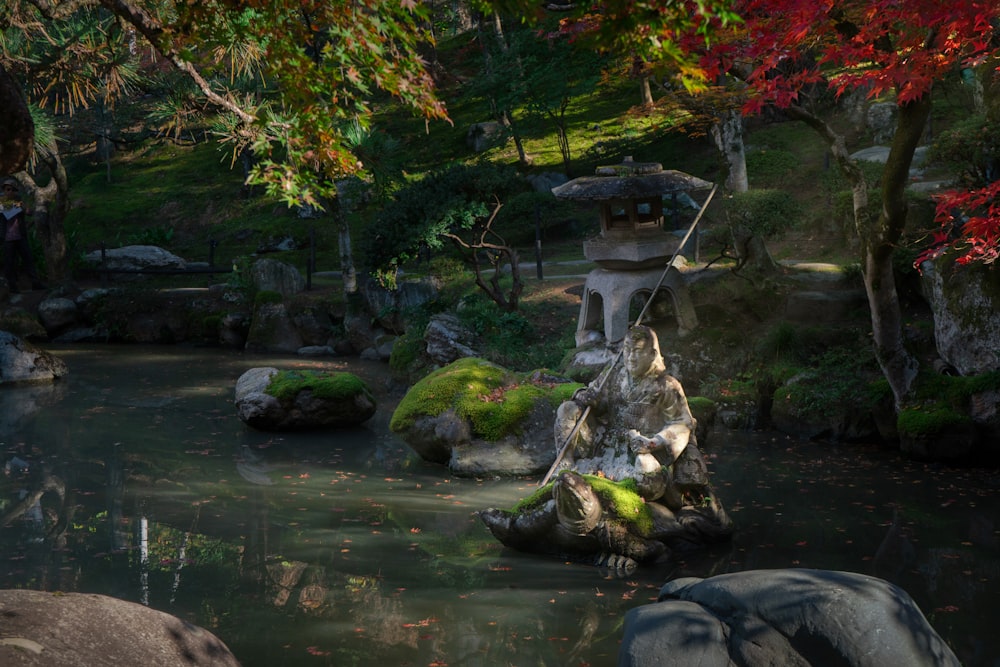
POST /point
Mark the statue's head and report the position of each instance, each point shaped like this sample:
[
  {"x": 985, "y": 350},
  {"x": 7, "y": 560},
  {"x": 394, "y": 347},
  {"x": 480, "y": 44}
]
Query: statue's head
[{"x": 642, "y": 351}]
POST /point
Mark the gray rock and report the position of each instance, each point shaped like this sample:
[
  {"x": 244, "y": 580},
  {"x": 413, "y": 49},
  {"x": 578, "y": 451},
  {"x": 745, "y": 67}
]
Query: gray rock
[
  {"x": 136, "y": 258},
  {"x": 272, "y": 330},
  {"x": 21, "y": 361},
  {"x": 881, "y": 121},
  {"x": 391, "y": 306},
  {"x": 782, "y": 617},
  {"x": 42, "y": 629},
  {"x": 314, "y": 325},
  {"x": 273, "y": 276},
  {"x": 528, "y": 452},
  {"x": 447, "y": 340},
  {"x": 306, "y": 410},
  {"x": 482, "y": 136},
  {"x": 233, "y": 329},
  {"x": 449, "y": 437},
  {"x": 966, "y": 308},
  {"x": 544, "y": 182},
  {"x": 57, "y": 314},
  {"x": 383, "y": 346}
]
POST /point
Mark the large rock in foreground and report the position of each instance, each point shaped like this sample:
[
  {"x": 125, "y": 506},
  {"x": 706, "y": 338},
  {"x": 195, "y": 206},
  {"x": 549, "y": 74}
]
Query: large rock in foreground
[
  {"x": 71, "y": 629},
  {"x": 273, "y": 400},
  {"x": 21, "y": 361},
  {"x": 782, "y": 617}
]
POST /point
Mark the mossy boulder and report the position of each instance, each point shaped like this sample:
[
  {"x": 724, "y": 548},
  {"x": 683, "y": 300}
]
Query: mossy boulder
[
  {"x": 481, "y": 419},
  {"x": 965, "y": 301},
  {"x": 273, "y": 400}
]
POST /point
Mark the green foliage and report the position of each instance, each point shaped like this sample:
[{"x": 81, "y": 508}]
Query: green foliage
[
  {"x": 970, "y": 149},
  {"x": 494, "y": 400},
  {"x": 941, "y": 402},
  {"x": 929, "y": 420},
  {"x": 267, "y": 296},
  {"x": 517, "y": 219},
  {"x": 504, "y": 333},
  {"x": 210, "y": 325},
  {"x": 836, "y": 381},
  {"x": 771, "y": 165},
  {"x": 158, "y": 236},
  {"x": 765, "y": 213},
  {"x": 451, "y": 200},
  {"x": 702, "y": 408},
  {"x": 285, "y": 385}
]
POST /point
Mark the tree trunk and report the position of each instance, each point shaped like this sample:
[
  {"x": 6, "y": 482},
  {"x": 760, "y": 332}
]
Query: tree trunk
[
  {"x": 728, "y": 136},
  {"x": 504, "y": 116},
  {"x": 349, "y": 275},
  {"x": 898, "y": 364},
  {"x": 879, "y": 237},
  {"x": 990, "y": 86},
  {"x": 508, "y": 121},
  {"x": 51, "y": 206},
  {"x": 645, "y": 91},
  {"x": 17, "y": 131}
]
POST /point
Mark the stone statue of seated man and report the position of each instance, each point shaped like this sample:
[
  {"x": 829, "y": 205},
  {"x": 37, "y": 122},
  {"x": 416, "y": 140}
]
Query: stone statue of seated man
[
  {"x": 639, "y": 425},
  {"x": 632, "y": 423}
]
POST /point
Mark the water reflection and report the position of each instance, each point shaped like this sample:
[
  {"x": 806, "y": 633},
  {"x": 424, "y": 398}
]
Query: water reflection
[{"x": 343, "y": 548}]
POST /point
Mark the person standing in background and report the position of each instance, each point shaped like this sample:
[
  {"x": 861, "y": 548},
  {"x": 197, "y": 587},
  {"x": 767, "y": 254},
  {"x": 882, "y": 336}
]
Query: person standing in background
[{"x": 15, "y": 239}]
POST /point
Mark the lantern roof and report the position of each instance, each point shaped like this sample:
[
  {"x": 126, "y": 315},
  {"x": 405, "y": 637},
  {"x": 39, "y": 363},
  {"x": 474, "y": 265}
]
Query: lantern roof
[{"x": 629, "y": 180}]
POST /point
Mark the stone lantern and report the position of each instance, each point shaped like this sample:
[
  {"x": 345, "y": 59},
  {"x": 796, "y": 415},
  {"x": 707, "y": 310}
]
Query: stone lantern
[{"x": 633, "y": 247}]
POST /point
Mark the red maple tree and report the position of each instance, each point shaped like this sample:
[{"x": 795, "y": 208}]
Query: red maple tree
[
  {"x": 788, "y": 50},
  {"x": 898, "y": 48}
]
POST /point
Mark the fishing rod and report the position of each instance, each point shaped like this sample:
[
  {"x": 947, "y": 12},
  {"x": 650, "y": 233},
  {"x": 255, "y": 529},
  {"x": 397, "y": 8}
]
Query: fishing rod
[{"x": 638, "y": 320}]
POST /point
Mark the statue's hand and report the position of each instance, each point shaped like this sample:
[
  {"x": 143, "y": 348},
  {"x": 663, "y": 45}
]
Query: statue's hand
[
  {"x": 584, "y": 396},
  {"x": 638, "y": 443}
]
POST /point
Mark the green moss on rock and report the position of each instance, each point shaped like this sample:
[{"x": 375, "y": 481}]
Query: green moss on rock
[
  {"x": 622, "y": 498},
  {"x": 926, "y": 420},
  {"x": 338, "y": 386},
  {"x": 493, "y": 399}
]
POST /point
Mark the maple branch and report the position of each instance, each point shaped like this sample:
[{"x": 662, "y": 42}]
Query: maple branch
[{"x": 835, "y": 140}]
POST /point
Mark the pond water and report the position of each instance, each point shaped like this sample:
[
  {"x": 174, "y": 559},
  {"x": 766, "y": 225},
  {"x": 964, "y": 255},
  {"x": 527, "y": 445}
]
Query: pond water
[{"x": 343, "y": 548}]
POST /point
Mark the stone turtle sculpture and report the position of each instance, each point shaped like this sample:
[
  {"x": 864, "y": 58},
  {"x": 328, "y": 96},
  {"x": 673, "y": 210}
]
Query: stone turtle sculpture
[{"x": 589, "y": 518}]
